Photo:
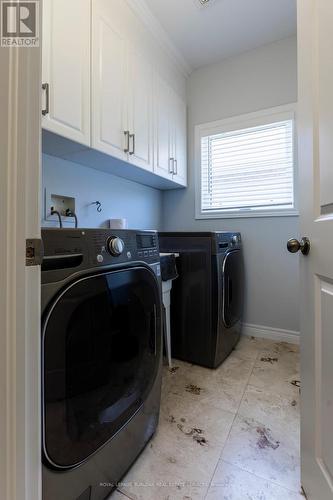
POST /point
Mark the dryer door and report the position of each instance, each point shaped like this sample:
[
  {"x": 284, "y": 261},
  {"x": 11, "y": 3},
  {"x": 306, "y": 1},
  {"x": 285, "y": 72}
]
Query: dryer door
[
  {"x": 233, "y": 283},
  {"x": 101, "y": 355}
]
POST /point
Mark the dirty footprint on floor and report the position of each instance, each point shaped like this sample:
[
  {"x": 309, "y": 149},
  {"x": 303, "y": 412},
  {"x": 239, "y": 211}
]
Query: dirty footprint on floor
[
  {"x": 193, "y": 389},
  {"x": 269, "y": 360},
  {"x": 195, "y": 433},
  {"x": 265, "y": 439},
  {"x": 173, "y": 369}
]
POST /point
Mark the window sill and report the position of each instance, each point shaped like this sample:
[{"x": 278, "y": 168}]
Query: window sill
[{"x": 248, "y": 214}]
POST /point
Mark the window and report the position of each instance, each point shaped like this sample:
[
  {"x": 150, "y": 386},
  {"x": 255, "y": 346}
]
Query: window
[{"x": 246, "y": 165}]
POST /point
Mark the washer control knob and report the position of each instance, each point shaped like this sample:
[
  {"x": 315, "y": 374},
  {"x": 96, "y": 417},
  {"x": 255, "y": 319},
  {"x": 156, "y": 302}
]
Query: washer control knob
[
  {"x": 115, "y": 246},
  {"x": 235, "y": 240}
]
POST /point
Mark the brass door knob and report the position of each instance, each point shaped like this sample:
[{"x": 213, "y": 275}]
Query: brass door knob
[{"x": 295, "y": 246}]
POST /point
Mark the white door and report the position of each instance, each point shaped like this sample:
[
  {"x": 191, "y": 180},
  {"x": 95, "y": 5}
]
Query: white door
[
  {"x": 163, "y": 160},
  {"x": 315, "y": 124},
  {"x": 20, "y": 408},
  {"x": 180, "y": 142},
  {"x": 110, "y": 132},
  {"x": 140, "y": 110},
  {"x": 66, "y": 68}
]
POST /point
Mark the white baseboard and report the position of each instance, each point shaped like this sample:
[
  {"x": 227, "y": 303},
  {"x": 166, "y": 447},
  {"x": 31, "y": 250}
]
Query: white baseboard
[{"x": 266, "y": 332}]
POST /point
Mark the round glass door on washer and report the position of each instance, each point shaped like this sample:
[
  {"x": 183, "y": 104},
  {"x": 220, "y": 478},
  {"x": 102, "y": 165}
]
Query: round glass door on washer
[
  {"x": 232, "y": 279},
  {"x": 101, "y": 346}
]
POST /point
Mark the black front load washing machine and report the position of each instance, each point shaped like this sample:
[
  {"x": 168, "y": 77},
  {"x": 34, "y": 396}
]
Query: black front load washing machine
[
  {"x": 101, "y": 357},
  {"x": 207, "y": 298}
]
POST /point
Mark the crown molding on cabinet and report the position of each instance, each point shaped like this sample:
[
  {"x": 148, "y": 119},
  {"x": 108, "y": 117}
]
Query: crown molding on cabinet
[{"x": 142, "y": 10}]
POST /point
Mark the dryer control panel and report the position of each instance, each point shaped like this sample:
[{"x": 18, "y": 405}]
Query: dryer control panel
[
  {"x": 220, "y": 241},
  {"x": 225, "y": 241}
]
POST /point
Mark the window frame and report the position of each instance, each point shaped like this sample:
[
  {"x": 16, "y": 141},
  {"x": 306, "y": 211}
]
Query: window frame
[{"x": 262, "y": 117}]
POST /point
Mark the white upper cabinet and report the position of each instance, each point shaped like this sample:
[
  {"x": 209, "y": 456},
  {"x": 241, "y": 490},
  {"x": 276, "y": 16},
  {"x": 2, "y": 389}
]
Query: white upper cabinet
[
  {"x": 109, "y": 84},
  {"x": 66, "y": 68},
  {"x": 170, "y": 133},
  {"x": 179, "y": 124},
  {"x": 128, "y": 111},
  {"x": 163, "y": 164},
  {"x": 140, "y": 110},
  {"x": 122, "y": 92}
]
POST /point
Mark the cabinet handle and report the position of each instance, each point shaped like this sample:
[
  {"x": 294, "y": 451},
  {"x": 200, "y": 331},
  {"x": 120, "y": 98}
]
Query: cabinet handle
[
  {"x": 171, "y": 165},
  {"x": 132, "y": 136},
  {"x": 127, "y": 139},
  {"x": 175, "y": 170},
  {"x": 46, "y": 87}
]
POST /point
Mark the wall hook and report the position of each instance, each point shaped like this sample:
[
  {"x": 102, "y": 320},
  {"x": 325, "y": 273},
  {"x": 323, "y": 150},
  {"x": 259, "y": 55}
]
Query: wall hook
[{"x": 98, "y": 205}]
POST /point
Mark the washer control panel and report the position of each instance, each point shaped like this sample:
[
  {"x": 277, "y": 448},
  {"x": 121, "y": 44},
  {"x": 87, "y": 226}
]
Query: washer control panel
[
  {"x": 147, "y": 245},
  {"x": 121, "y": 245},
  {"x": 75, "y": 250},
  {"x": 115, "y": 246}
]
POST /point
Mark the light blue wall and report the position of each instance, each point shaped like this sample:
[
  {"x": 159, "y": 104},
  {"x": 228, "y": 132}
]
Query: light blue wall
[
  {"x": 259, "y": 79},
  {"x": 141, "y": 205}
]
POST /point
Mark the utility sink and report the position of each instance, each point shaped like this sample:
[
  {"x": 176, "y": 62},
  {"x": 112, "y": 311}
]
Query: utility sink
[
  {"x": 168, "y": 266},
  {"x": 168, "y": 273}
]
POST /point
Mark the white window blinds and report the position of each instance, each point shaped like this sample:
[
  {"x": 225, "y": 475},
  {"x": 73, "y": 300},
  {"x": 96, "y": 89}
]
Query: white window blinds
[{"x": 248, "y": 169}]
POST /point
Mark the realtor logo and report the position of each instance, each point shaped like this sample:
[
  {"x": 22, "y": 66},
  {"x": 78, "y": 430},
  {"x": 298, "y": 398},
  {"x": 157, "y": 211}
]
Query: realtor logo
[{"x": 20, "y": 23}]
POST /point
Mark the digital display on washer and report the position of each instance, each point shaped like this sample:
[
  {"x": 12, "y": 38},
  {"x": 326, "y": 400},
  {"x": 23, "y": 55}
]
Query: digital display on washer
[{"x": 145, "y": 241}]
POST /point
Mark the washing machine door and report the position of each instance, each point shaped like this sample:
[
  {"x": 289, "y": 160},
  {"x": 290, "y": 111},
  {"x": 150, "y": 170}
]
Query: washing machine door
[
  {"x": 233, "y": 285},
  {"x": 101, "y": 350}
]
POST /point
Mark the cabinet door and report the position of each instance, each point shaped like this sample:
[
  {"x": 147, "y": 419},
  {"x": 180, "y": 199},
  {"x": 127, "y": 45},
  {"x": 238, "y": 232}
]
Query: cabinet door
[
  {"x": 66, "y": 68},
  {"x": 140, "y": 110},
  {"x": 109, "y": 71},
  {"x": 179, "y": 126},
  {"x": 162, "y": 130}
]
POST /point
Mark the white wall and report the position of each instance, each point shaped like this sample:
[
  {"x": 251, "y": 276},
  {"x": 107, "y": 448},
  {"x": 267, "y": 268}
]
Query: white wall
[
  {"x": 255, "y": 80},
  {"x": 141, "y": 205}
]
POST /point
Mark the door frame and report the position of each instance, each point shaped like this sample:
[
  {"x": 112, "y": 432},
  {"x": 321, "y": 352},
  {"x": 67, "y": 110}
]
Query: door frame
[{"x": 20, "y": 173}]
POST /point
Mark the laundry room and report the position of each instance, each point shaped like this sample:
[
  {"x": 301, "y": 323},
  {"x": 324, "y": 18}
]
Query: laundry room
[
  {"x": 113, "y": 192},
  {"x": 177, "y": 194}
]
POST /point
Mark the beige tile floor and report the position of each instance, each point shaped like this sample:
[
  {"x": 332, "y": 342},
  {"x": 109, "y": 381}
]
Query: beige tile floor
[{"x": 225, "y": 434}]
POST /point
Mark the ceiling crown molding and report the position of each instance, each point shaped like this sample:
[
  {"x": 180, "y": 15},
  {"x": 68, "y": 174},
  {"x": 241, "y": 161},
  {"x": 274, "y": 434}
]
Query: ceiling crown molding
[{"x": 144, "y": 13}]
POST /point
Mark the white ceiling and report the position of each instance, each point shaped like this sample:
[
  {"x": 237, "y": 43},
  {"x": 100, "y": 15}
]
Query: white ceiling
[{"x": 223, "y": 28}]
